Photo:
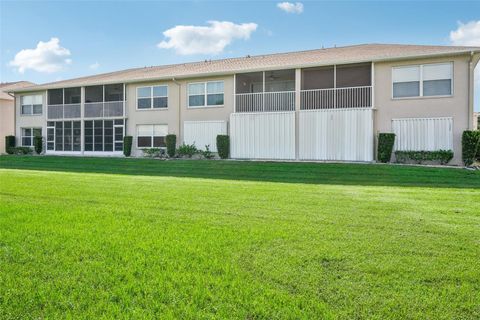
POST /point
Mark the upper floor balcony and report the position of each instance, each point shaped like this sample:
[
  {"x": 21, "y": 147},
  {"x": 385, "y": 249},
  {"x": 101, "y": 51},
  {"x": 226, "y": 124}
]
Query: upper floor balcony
[
  {"x": 91, "y": 102},
  {"x": 330, "y": 87}
]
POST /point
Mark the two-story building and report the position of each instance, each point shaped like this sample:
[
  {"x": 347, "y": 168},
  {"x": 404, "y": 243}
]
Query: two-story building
[{"x": 325, "y": 104}]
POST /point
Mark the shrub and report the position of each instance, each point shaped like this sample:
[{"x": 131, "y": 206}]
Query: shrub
[
  {"x": 385, "y": 146},
  {"x": 22, "y": 150},
  {"x": 207, "y": 154},
  {"x": 187, "y": 150},
  {"x": 127, "y": 146},
  {"x": 38, "y": 144},
  {"x": 223, "y": 146},
  {"x": 442, "y": 156},
  {"x": 9, "y": 144},
  {"x": 470, "y": 145},
  {"x": 153, "y": 152},
  {"x": 171, "y": 142}
]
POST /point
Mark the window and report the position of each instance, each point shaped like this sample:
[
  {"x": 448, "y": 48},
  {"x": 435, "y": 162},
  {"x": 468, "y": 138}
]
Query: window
[
  {"x": 55, "y": 96},
  {"x": 151, "y": 135},
  {"x": 93, "y": 94},
  {"x": 205, "y": 94},
  {"x": 104, "y": 135},
  {"x": 72, "y": 95},
  {"x": 64, "y": 135},
  {"x": 114, "y": 92},
  {"x": 423, "y": 80},
  {"x": 28, "y": 134},
  {"x": 31, "y": 105},
  {"x": 152, "y": 97}
]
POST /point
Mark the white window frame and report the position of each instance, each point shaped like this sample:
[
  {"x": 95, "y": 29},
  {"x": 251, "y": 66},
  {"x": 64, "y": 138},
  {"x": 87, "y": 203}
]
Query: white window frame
[
  {"x": 31, "y": 136},
  {"x": 151, "y": 98},
  {"x": 205, "y": 105},
  {"x": 31, "y": 105},
  {"x": 152, "y": 136},
  {"x": 420, "y": 66}
]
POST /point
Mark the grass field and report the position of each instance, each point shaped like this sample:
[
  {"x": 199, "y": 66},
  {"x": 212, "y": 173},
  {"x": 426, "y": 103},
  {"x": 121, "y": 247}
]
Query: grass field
[{"x": 132, "y": 238}]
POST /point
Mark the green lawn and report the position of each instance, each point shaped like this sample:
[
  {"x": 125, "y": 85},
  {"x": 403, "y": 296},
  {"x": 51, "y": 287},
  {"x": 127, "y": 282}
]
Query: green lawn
[{"x": 132, "y": 238}]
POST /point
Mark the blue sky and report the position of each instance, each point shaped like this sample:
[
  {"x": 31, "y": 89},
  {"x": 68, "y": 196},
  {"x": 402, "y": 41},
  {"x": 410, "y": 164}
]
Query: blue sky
[{"x": 99, "y": 36}]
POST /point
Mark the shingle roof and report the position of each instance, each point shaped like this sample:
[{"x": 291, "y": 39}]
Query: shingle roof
[
  {"x": 12, "y": 86},
  {"x": 339, "y": 55}
]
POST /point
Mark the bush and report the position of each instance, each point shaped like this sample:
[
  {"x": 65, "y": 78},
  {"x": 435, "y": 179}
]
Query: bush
[
  {"x": 223, "y": 146},
  {"x": 187, "y": 150},
  {"x": 127, "y": 146},
  {"x": 38, "y": 144},
  {"x": 153, "y": 152},
  {"x": 385, "y": 146},
  {"x": 9, "y": 144},
  {"x": 22, "y": 150},
  {"x": 171, "y": 142},
  {"x": 442, "y": 156},
  {"x": 470, "y": 146},
  {"x": 207, "y": 154}
]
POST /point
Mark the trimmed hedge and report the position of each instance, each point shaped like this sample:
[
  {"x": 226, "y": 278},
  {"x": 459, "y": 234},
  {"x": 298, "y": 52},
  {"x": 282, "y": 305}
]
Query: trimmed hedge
[
  {"x": 22, "y": 150},
  {"x": 9, "y": 144},
  {"x": 442, "y": 156},
  {"x": 171, "y": 142},
  {"x": 38, "y": 144},
  {"x": 223, "y": 146},
  {"x": 470, "y": 146},
  {"x": 127, "y": 146},
  {"x": 385, "y": 146}
]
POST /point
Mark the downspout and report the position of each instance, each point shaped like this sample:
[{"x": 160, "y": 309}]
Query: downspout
[
  {"x": 471, "y": 85},
  {"x": 179, "y": 106}
]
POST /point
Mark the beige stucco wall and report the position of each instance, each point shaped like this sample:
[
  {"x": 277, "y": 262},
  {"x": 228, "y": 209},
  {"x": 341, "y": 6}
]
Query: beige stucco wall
[
  {"x": 7, "y": 122},
  {"x": 29, "y": 121},
  {"x": 455, "y": 106},
  {"x": 178, "y": 110}
]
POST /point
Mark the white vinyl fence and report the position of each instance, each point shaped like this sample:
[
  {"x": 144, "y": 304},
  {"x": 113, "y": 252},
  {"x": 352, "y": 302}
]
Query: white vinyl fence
[
  {"x": 202, "y": 133},
  {"x": 419, "y": 134},
  {"x": 269, "y": 135},
  {"x": 336, "y": 134}
]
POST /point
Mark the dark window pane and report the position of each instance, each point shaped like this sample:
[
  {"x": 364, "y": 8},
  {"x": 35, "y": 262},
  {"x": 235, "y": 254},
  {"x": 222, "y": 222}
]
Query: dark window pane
[
  {"x": 88, "y": 124},
  {"x": 27, "y": 109},
  {"x": 160, "y": 102},
  {"x": 196, "y": 101},
  {"x": 37, "y": 109},
  {"x": 72, "y": 95},
  {"x": 26, "y": 141},
  {"x": 114, "y": 92},
  {"x": 98, "y": 147},
  {"x": 406, "y": 89},
  {"x": 215, "y": 99},
  {"x": 94, "y": 94},
  {"x": 88, "y": 139},
  {"x": 437, "y": 87},
  {"x": 55, "y": 96},
  {"x": 118, "y": 146},
  {"x": 50, "y": 146},
  {"x": 118, "y": 121},
  {"x": 317, "y": 78},
  {"x": 355, "y": 75},
  {"x": 88, "y": 147},
  {"x": 144, "y": 103},
  {"x": 76, "y": 124},
  {"x": 108, "y": 147},
  {"x": 159, "y": 142},
  {"x": 50, "y": 123},
  {"x": 144, "y": 142}
]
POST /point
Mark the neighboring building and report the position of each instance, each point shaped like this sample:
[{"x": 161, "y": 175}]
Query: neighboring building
[
  {"x": 325, "y": 104},
  {"x": 7, "y": 110}
]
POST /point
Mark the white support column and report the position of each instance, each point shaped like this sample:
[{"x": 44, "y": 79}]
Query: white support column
[
  {"x": 82, "y": 122},
  {"x": 235, "y": 93},
  {"x": 298, "y": 88},
  {"x": 335, "y": 86},
  {"x": 263, "y": 91},
  {"x": 372, "y": 83}
]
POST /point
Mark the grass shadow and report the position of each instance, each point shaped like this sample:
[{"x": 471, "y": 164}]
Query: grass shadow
[{"x": 286, "y": 172}]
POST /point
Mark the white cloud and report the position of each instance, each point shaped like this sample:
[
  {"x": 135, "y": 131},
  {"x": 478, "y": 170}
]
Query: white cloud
[
  {"x": 467, "y": 34},
  {"x": 290, "y": 7},
  {"x": 46, "y": 57},
  {"x": 211, "y": 39},
  {"x": 94, "y": 66}
]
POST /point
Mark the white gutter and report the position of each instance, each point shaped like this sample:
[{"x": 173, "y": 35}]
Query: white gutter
[
  {"x": 471, "y": 88},
  {"x": 179, "y": 106}
]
